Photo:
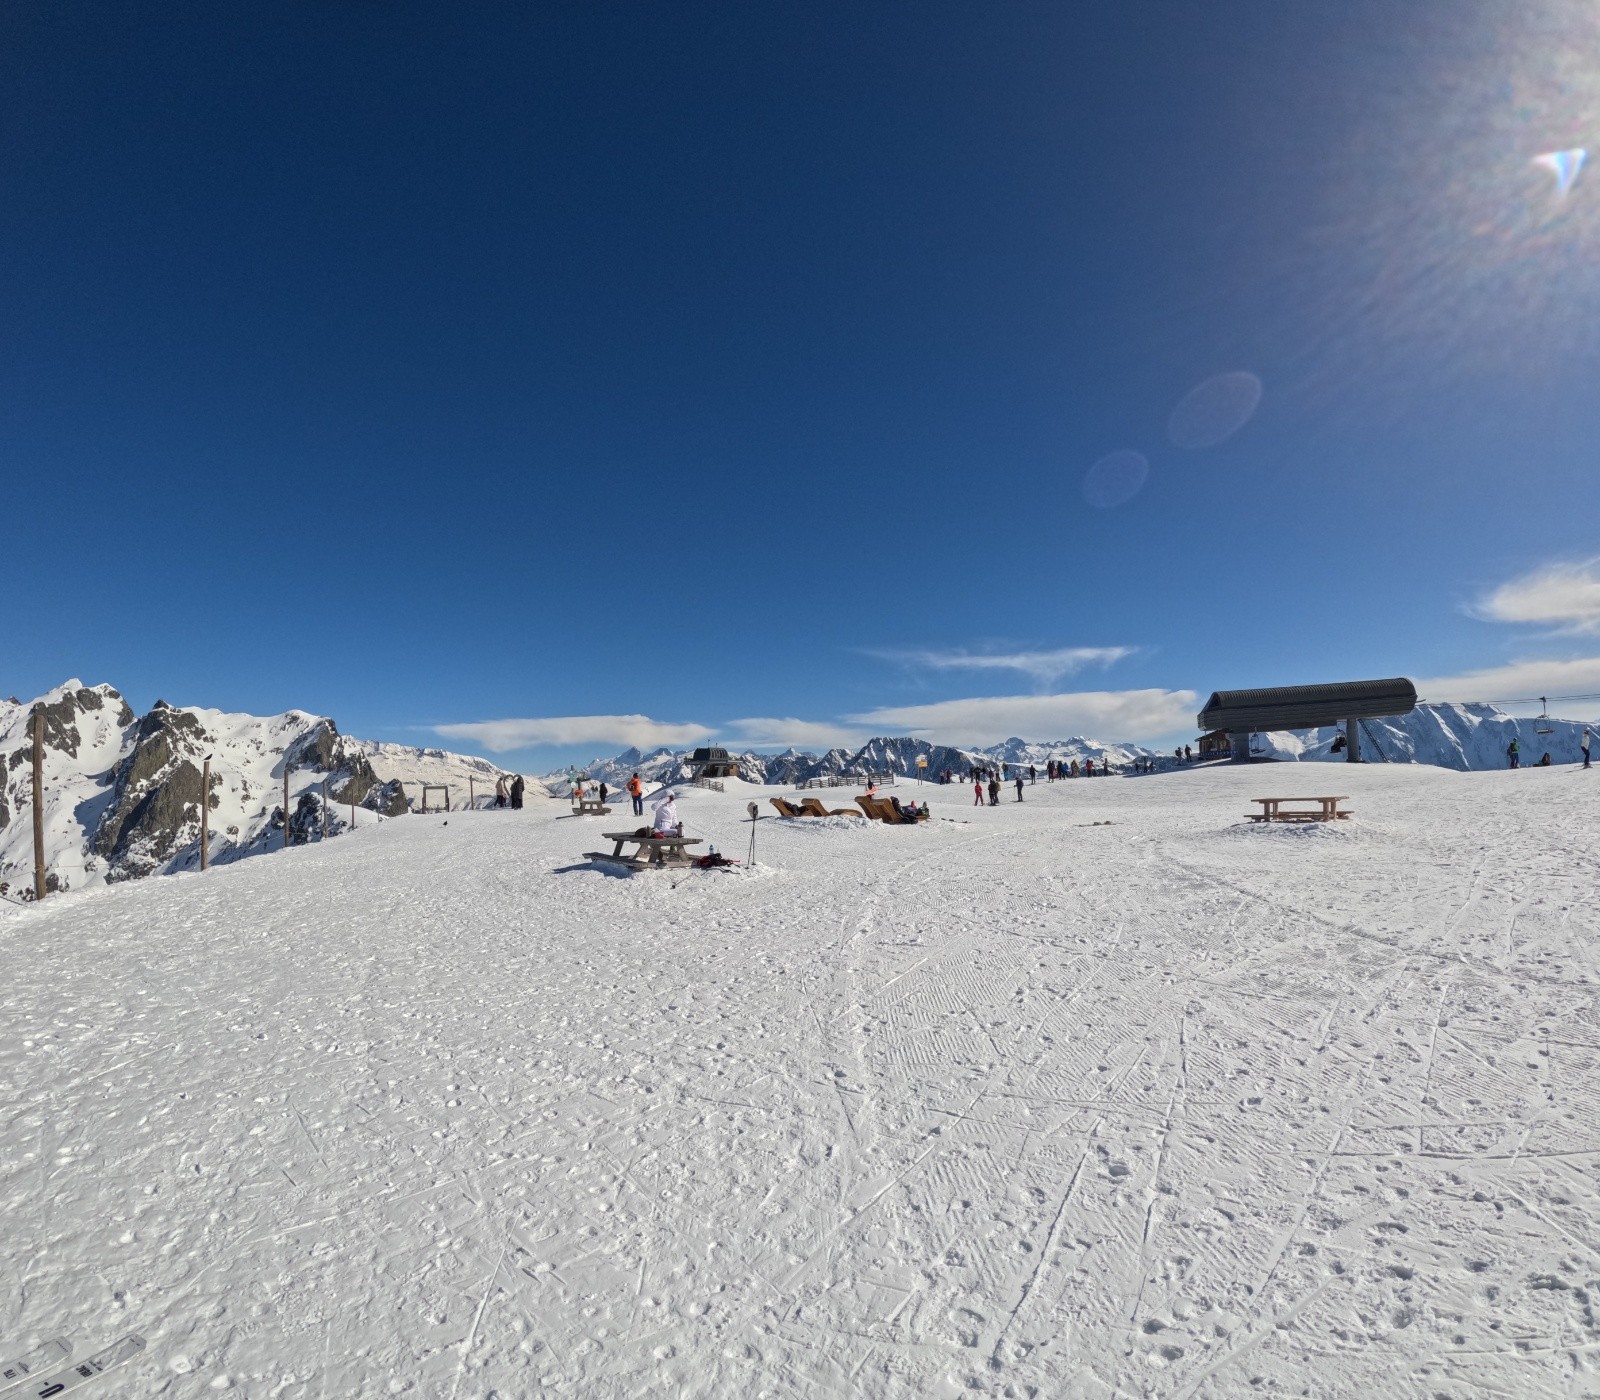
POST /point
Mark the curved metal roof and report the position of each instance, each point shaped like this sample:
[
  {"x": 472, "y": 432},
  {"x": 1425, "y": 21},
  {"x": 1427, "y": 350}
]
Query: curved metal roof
[{"x": 1306, "y": 706}]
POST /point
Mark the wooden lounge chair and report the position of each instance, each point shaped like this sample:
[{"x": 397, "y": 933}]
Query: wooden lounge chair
[
  {"x": 883, "y": 810},
  {"x": 786, "y": 809},
  {"x": 813, "y": 807}
]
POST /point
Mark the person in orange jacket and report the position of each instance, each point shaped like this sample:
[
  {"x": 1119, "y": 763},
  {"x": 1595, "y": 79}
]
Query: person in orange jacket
[{"x": 636, "y": 792}]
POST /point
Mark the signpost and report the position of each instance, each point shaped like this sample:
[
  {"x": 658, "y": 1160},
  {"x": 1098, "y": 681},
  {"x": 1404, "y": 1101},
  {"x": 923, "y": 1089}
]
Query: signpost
[
  {"x": 38, "y": 803},
  {"x": 922, "y": 764}
]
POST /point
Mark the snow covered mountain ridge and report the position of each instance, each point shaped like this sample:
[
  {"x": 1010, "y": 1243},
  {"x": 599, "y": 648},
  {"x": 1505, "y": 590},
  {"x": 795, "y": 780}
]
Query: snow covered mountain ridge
[
  {"x": 122, "y": 792},
  {"x": 1463, "y": 737},
  {"x": 878, "y": 756}
]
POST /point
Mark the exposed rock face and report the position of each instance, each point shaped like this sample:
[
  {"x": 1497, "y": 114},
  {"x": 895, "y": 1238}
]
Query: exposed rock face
[
  {"x": 61, "y": 731},
  {"x": 155, "y": 806},
  {"x": 61, "y": 724},
  {"x": 320, "y": 747},
  {"x": 352, "y": 781},
  {"x": 358, "y": 786},
  {"x": 388, "y": 799},
  {"x": 305, "y": 825}
]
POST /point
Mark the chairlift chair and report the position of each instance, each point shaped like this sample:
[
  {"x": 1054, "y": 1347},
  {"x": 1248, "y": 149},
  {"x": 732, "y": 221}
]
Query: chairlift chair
[{"x": 1544, "y": 718}]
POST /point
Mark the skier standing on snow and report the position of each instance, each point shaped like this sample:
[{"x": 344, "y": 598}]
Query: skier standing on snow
[
  {"x": 1033, "y": 774},
  {"x": 603, "y": 791},
  {"x": 1585, "y": 742},
  {"x": 977, "y": 792},
  {"x": 1019, "y": 785},
  {"x": 501, "y": 796},
  {"x": 636, "y": 792},
  {"x": 994, "y": 790},
  {"x": 666, "y": 820},
  {"x": 1514, "y": 753},
  {"x": 516, "y": 793}
]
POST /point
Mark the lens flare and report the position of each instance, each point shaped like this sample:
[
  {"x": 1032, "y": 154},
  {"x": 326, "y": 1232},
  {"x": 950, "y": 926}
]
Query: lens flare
[
  {"x": 1214, "y": 410},
  {"x": 1564, "y": 165},
  {"x": 1115, "y": 478}
]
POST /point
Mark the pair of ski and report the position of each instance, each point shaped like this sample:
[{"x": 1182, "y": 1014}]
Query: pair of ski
[{"x": 47, "y": 1375}]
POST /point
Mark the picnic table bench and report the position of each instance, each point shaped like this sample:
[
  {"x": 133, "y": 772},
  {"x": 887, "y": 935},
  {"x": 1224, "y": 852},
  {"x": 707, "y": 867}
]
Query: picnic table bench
[
  {"x": 1326, "y": 809},
  {"x": 590, "y": 807},
  {"x": 650, "y": 852}
]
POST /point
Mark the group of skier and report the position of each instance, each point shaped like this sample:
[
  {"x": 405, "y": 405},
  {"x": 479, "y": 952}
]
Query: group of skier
[{"x": 1514, "y": 751}]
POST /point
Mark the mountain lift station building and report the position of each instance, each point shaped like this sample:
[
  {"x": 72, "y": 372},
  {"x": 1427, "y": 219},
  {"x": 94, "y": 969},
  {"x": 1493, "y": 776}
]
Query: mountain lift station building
[{"x": 1241, "y": 713}]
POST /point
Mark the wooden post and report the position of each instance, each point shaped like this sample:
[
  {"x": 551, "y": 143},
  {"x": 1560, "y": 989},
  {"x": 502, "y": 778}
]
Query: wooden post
[
  {"x": 286, "y": 804},
  {"x": 205, "y": 815},
  {"x": 38, "y": 804},
  {"x": 324, "y": 809},
  {"x": 352, "y": 816},
  {"x": 472, "y": 796}
]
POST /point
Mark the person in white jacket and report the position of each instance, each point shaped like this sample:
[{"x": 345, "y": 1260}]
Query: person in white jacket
[{"x": 667, "y": 822}]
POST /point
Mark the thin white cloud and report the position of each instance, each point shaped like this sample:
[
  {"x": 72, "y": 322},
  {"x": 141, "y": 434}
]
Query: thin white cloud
[
  {"x": 796, "y": 733},
  {"x": 1045, "y": 667},
  {"x": 637, "y": 731},
  {"x": 1563, "y": 596},
  {"x": 1101, "y": 714},
  {"x": 1519, "y": 680}
]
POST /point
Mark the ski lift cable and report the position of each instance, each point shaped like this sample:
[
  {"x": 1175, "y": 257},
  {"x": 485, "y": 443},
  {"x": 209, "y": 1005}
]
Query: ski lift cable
[{"x": 1524, "y": 700}]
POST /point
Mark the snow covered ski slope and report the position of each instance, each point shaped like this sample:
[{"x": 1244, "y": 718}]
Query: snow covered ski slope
[{"x": 1005, "y": 1104}]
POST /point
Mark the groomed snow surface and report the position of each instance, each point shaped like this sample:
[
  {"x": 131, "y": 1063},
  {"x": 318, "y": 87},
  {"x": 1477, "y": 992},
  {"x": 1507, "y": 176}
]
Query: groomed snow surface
[{"x": 1008, "y": 1104}]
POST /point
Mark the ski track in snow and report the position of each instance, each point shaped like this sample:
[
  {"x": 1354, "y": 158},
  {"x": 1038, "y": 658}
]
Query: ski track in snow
[{"x": 1006, "y": 1105}]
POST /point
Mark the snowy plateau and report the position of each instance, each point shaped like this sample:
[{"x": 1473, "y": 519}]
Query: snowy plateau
[{"x": 1104, "y": 1092}]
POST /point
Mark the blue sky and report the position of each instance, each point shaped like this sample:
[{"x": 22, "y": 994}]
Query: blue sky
[{"x": 615, "y": 373}]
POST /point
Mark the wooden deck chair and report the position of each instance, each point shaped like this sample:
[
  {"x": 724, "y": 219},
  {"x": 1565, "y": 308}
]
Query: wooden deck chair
[
  {"x": 785, "y": 809},
  {"x": 813, "y": 807},
  {"x": 877, "y": 809}
]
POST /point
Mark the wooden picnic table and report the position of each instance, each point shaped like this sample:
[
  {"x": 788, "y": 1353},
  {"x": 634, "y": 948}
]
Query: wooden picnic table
[
  {"x": 650, "y": 852},
  {"x": 590, "y": 807},
  {"x": 1326, "y": 809}
]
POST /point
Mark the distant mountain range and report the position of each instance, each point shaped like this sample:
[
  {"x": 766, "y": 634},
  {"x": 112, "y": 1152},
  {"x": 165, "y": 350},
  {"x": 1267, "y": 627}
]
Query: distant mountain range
[
  {"x": 1464, "y": 737},
  {"x": 123, "y": 791},
  {"x": 877, "y": 756}
]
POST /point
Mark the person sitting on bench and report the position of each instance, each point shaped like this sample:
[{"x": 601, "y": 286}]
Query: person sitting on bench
[{"x": 667, "y": 822}]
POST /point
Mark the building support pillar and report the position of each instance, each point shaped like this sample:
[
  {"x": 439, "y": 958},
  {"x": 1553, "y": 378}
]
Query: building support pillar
[
  {"x": 1241, "y": 746},
  {"x": 1352, "y": 741}
]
